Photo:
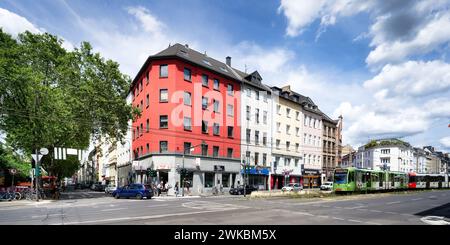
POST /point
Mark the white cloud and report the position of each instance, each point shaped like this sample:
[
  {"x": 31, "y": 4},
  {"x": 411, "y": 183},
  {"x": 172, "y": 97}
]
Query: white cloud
[
  {"x": 301, "y": 13},
  {"x": 15, "y": 24},
  {"x": 149, "y": 22},
  {"x": 413, "y": 78},
  {"x": 435, "y": 33},
  {"x": 445, "y": 141}
]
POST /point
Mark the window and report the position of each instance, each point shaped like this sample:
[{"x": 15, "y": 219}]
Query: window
[
  {"x": 137, "y": 132},
  {"x": 141, "y": 86},
  {"x": 148, "y": 125},
  {"x": 288, "y": 162},
  {"x": 230, "y": 111},
  {"x": 216, "y": 84},
  {"x": 187, "y": 148},
  {"x": 162, "y": 146},
  {"x": 204, "y": 127},
  {"x": 163, "y": 95},
  {"x": 248, "y": 92},
  {"x": 209, "y": 179},
  {"x": 248, "y": 132},
  {"x": 148, "y": 148},
  {"x": 142, "y": 150},
  {"x": 278, "y": 144},
  {"x": 256, "y": 137},
  {"x": 230, "y": 152},
  {"x": 230, "y": 131},
  {"x": 385, "y": 160},
  {"x": 296, "y": 162},
  {"x": 278, "y": 127},
  {"x": 205, "y": 80},
  {"x": 288, "y": 112},
  {"x": 215, "y": 151},
  {"x": 257, "y": 95},
  {"x": 163, "y": 71},
  {"x": 297, "y": 115},
  {"x": 187, "y": 98},
  {"x": 314, "y": 140},
  {"x": 264, "y": 139},
  {"x": 297, "y": 146},
  {"x": 248, "y": 112},
  {"x": 147, "y": 100},
  {"x": 288, "y": 128},
  {"x": 187, "y": 74},
  {"x": 216, "y": 129},
  {"x": 310, "y": 122},
  {"x": 226, "y": 180},
  {"x": 134, "y": 134},
  {"x": 142, "y": 128},
  {"x": 265, "y": 117},
  {"x": 304, "y": 139},
  {"x": 297, "y": 131},
  {"x": 265, "y": 96},
  {"x": 257, "y": 115},
  {"x": 264, "y": 160},
  {"x": 230, "y": 89},
  {"x": 256, "y": 158},
  {"x": 147, "y": 79},
  {"x": 204, "y": 103},
  {"x": 385, "y": 151},
  {"x": 204, "y": 150},
  {"x": 279, "y": 109},
  {"x": 187, "y": 123},
  {"x": 142, "y": 105},
  {"x": 163, "y": 121},
  {"x": 309, "y": 141},
  {"x": 288, "y": 144}
]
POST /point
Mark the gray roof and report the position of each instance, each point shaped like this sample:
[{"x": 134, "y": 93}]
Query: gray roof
[{"x": 185, "y": 53}]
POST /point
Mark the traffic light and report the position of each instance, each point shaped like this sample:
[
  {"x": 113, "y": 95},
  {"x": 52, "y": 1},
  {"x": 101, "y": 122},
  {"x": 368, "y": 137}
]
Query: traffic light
[{"x": 151, "y": 172}]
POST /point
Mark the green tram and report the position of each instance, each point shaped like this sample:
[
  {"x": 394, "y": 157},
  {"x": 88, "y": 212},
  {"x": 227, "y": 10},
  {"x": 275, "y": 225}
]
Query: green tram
[{"x": 366, "y": 180}]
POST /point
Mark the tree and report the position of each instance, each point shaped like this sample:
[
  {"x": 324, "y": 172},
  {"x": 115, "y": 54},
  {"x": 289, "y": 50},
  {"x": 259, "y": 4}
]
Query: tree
[
  {"x": 13, "y": 160},
  {"x": 51, "y": 97}
]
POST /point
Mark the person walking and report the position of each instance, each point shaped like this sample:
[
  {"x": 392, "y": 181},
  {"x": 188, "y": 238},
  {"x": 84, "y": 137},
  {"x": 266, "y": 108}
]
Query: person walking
[{"x": 176, "y": 189}]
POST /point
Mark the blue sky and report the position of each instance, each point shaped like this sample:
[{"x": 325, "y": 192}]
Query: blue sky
[{"x": 383, "y": 65}]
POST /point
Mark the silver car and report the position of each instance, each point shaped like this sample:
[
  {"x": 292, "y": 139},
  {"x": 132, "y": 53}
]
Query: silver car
[
  {"x": 110, "y": 189},
  {"x": 292, "y": 187}
]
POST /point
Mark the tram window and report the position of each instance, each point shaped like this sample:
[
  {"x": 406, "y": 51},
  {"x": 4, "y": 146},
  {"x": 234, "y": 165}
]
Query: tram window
[{"x": 351, "y": 177}]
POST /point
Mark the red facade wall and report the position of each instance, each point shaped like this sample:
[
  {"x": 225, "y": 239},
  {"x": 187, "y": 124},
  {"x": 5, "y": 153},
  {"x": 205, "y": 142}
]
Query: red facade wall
[{"x": 175, "y": 133}]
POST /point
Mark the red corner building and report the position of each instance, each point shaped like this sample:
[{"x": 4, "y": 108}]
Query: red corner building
[{"x": 190, "y": 118}]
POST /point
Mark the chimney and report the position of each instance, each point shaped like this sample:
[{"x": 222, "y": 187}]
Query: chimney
[
  {"x": 186, "y": 45},
  {"x": 228, "y": 59}
]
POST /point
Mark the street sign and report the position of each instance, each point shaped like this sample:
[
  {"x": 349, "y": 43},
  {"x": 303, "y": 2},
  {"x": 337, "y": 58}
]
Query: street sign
[
  {"x": 43, "y": 151},
  {"x": 34, "y": 157},
  {"x": 197, "y": 161},
  {"x": 12, "y": 171}
]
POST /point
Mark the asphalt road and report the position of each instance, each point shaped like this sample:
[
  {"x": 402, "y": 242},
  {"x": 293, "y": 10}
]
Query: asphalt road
[{"x": 412, "y": 208}]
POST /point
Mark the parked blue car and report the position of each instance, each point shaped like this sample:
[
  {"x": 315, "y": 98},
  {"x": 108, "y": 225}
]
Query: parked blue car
[{"x": 138, "y": 191}]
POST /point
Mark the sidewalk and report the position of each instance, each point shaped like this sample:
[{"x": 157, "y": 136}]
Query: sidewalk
[{"x": 20, "y": 203}]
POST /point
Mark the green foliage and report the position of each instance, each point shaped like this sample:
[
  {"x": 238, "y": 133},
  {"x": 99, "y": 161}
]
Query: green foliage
[
  {"x": 51, "y": 97},
  {"x": 12, "y": 160},
  {"x": 390, "y": 142}
]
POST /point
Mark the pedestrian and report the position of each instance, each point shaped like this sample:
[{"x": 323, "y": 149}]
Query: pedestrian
[
  {"x": 176, "y": 189},
  {"x": 159, "y": 187},
  {"x": 188, "y": 184}
]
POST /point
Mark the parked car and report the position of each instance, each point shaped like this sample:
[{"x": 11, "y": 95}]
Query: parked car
[
  {"x": 138, "y": 191},
  {"x": 327, "y": 186},
  {"x": 98, "y": 187},
  {"x": 110, "y": 189},
  {"x": 292, "y": 187},
  {"x": 239, "y": 190}
]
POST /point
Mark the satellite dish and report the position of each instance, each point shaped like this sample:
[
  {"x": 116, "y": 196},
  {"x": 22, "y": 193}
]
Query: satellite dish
[{"x": 43, "y": 151}]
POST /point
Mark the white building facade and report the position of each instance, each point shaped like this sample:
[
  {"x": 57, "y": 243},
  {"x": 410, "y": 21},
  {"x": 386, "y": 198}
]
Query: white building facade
[
  {"x": 312, "y": 133},
  {"x": 256, "y": 130}
]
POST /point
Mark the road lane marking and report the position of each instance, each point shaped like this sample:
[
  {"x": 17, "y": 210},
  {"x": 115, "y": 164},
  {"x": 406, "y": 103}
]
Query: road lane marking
[
  {"x": 353, "y": 220},
  {"x": 134, "y": 218},
  {"x": 372, "y": 223},
  {"x": 112, "y": 209},
  {"x": 44, "y": 216},
  {"x": 375, "y": 211},
  {"x": 391, "y": 213},
  {"x": 160, "y": 205},
  {"x": 389, "y": 203},
  {"x": 336, "y": 218},
  {"x": 322, "y": 216},
  {"x": 416, "y": 199}
]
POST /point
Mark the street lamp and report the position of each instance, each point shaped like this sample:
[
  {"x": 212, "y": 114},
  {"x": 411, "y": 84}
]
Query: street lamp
[{"x": 183, "y": 171}]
